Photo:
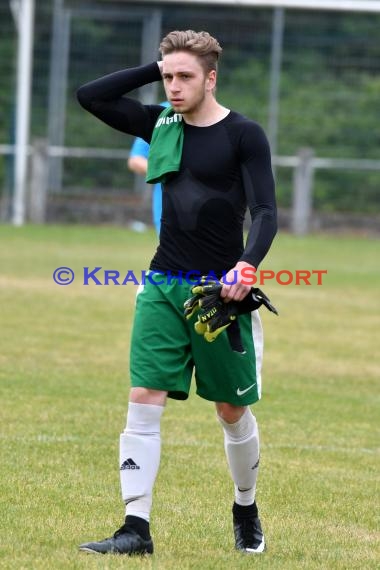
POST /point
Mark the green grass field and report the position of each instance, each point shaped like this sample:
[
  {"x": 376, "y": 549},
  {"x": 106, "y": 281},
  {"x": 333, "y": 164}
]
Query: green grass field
[{"x": 64, "y": 388}]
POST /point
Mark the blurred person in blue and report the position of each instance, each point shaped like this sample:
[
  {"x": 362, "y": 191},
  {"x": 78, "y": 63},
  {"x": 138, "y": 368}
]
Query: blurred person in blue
[{"x": 138, "y": 163}]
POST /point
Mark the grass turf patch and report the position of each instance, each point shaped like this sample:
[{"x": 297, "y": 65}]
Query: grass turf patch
[{"x": 64, "y": 388}]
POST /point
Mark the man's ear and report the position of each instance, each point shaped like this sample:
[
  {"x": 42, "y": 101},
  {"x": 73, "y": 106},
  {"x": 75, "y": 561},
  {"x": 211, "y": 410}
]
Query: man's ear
[{"x": 211, "y": 80}]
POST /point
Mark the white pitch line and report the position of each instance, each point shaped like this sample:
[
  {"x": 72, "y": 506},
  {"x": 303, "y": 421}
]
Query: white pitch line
[
  {"x": 44, "y": 438},
  {"x": 319, "y": 448},
  {"x": 331, "y": 448}
]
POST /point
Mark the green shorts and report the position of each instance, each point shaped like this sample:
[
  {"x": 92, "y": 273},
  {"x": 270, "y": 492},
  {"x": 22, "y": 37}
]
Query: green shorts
[{"x": 165, "y": 349}]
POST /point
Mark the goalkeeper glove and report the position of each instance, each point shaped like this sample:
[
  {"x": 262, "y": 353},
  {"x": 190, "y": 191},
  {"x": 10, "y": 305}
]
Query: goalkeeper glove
[
  {"x": 215, "y": 315},
  {"x": 207, "y": 287}
]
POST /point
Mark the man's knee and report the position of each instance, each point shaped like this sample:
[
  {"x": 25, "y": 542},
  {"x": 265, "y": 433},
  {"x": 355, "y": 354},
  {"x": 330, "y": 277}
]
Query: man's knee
[
  {"x": 148, "y": 396},
  {"x": 229, "y": 413}
]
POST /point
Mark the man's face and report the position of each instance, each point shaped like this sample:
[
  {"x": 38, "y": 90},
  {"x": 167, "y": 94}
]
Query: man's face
[{"x": 185, "y": 81}]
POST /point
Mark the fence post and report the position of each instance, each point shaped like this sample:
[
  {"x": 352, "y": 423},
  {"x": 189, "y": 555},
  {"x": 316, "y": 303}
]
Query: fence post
[
  {"x": 302, "y": 192},
  {"x": 38, "y": 182}
]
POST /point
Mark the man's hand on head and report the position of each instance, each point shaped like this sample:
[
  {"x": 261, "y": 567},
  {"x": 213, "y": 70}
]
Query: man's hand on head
[{"x": 235, "y": 285}]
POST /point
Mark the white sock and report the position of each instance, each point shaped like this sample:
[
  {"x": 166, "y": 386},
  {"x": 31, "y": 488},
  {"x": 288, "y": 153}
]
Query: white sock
[
  {"x": 241, "y": 443},
  {"x": 140, "y": 447}
]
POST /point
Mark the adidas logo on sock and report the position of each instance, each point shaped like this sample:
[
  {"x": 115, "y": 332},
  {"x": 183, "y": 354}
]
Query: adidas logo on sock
[
  {"x": 256, "y": 464},
  {"x": 129, "y": 464}
]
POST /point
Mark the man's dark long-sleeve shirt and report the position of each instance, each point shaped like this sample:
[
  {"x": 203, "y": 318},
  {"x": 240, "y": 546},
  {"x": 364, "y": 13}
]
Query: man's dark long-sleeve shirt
[{"x": 225, "y": 167}]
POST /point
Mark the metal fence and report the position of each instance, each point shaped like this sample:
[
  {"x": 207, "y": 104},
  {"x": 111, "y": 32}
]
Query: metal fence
[{"x": 311, "y": 78}]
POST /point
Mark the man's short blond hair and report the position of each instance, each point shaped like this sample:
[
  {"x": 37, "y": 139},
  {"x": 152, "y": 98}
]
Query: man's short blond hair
[{"x": 201, "y": 44}]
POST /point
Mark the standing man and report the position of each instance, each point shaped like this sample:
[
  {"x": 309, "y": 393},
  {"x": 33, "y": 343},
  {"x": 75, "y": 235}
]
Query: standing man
[
  {"x": 138, "y": 163},
  {"x": 213, "y": 163}
]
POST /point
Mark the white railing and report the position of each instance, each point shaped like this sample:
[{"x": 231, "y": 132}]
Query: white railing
[{"x": 303, "y": 164}]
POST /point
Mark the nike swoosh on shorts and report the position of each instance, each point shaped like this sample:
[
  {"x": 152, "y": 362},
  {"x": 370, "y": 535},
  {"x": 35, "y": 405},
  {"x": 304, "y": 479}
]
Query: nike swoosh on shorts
[{"x": 242, "y": 392}]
